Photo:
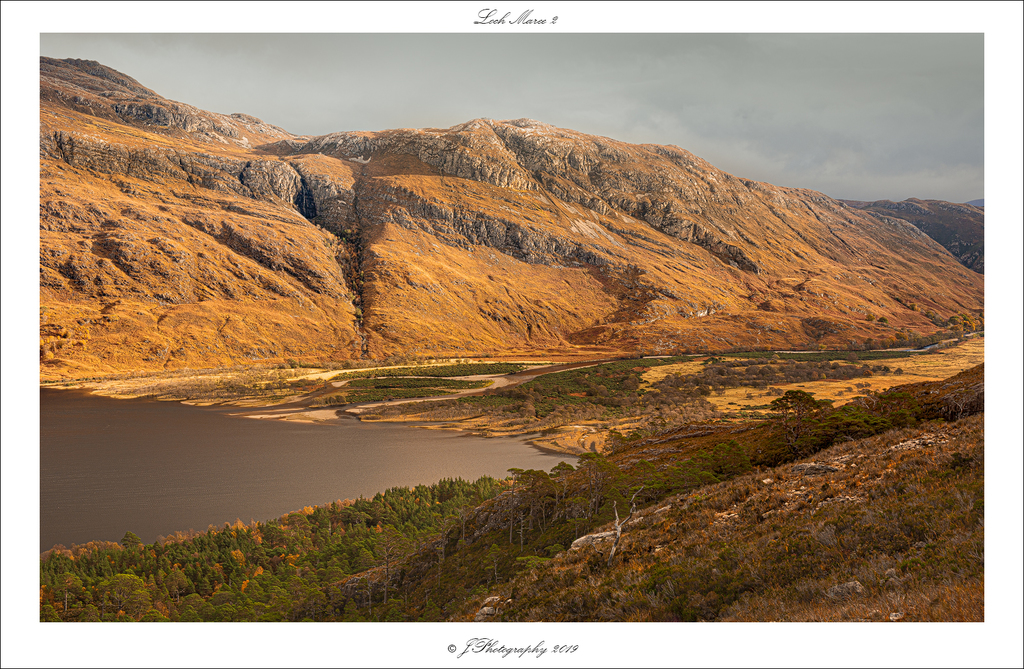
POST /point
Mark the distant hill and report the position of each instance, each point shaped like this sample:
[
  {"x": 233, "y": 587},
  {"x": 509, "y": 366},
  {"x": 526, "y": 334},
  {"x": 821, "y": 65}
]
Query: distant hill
[
  {"x": 977, "y": 203},
  {"x": 960, "y": 228}
]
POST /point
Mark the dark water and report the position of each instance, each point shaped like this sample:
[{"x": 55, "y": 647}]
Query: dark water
[{"x": 108, "y": 466}]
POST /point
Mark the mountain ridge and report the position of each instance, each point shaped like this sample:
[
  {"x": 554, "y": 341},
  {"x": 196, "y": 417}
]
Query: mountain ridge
[{"x": 174, "y": 238}]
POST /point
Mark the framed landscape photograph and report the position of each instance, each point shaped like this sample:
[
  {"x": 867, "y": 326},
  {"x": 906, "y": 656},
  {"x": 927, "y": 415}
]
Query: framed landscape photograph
[{"x": 538, "y": 314}]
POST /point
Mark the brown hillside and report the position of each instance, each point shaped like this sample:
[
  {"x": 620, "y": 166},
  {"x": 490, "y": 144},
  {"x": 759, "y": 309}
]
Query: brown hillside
[{"x": 172, "y": 238}]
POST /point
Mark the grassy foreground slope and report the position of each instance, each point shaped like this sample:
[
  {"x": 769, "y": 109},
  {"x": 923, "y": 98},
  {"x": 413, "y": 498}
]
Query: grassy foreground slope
[{"x": 886, "y": 528}]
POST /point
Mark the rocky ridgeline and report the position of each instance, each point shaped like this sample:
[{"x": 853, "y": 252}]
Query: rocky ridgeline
[
  {"x": 666, "y": 187},
  {"x": 100, "y": 91},
  {"x": 259, "y": 179},
  {"x": 648, "y": 183}
]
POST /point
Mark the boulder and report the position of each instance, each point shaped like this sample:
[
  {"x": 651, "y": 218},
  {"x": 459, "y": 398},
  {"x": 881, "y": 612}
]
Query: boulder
[
  {"x": 845, "y": 590},
  {"x": 488, "y": 609},
  {"x": 485, "y": 613},
  {"x": 592, "y": 539}
]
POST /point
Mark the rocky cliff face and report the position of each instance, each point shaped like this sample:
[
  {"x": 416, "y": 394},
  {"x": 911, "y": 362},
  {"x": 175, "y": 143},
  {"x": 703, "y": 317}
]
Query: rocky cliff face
[
  {"x": 174, "y": 237},
  {"x": 959, "y": 228}
]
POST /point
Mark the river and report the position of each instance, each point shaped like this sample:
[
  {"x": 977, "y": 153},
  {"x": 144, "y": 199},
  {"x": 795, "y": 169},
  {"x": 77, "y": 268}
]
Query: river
[{"x": 108, "y": 466}]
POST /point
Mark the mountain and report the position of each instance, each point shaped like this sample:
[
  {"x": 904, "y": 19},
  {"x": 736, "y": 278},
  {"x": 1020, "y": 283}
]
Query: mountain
[
  {"x": 960, "y": 228},
  {"x": 976, "y": 203},
  {"x": 173, "y": 238}
]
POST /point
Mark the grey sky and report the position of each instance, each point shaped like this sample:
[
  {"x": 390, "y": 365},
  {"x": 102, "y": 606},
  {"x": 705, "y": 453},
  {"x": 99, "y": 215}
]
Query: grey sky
[{"x": 856, "y": 116}]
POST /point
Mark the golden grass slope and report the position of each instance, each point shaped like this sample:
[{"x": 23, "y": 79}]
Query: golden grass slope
[{"x": 134, "y": 276}]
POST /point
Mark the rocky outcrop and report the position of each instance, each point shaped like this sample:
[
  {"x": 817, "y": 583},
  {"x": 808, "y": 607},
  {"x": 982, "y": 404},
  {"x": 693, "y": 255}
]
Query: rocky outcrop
[
  {"x": 466, "y": 228},
  {"x": 490, "y": 608},
  {"x": 265, "y": 180}
]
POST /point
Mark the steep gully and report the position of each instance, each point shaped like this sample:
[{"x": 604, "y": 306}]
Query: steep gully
[{"x": 349, "y": 233}]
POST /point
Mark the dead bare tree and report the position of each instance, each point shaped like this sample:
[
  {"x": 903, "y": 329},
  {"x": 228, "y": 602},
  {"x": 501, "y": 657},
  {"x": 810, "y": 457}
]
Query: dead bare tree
[
  {"x": 446, "y": 526},
  {"x": 465, "y": 512},
  {"x": 391, "y": 546},
  {"x": 620, "y": 525}
]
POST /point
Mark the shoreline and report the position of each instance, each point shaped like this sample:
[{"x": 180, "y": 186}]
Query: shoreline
[
  {"x": 298, "y": 408},
  {"x": 274, "y": 397}
]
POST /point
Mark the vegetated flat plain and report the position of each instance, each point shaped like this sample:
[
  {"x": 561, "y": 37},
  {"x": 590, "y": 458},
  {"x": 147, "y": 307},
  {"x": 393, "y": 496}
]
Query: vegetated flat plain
[
  {"x": 580, "y": 410},
  {"x": 930, "y": 366},
  {"x": 267, "y": 385},
  {"x": 572, "y": 411}
]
